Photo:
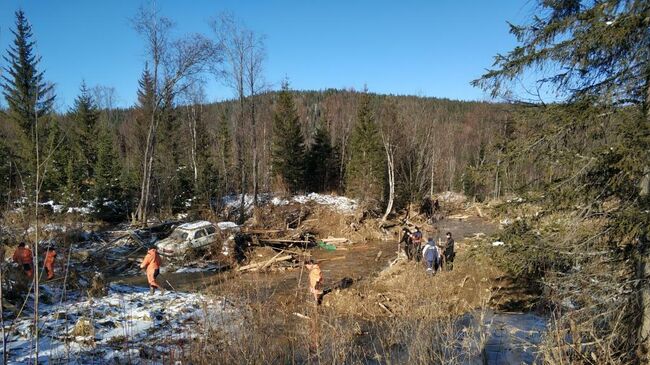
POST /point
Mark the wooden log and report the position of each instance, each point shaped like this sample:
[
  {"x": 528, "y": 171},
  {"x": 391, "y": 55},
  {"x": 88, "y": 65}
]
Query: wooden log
[
  {"x": 378, "y": 256},
  {"x": 332, "y": 259},
  {"x": 266, "y": 264},
  {"x": 262, "y": 231},
  {"x": 299, "y": 315},
  {"x": 458, "y": 216},
  {"x": 384, "y": 307},
  {"x": 257, "y": 266},
  {"x": 334, "y": 240},
  {"x": 279, "y": 240}
]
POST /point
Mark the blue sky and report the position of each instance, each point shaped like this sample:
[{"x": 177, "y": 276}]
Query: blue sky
[{"x": 427, "y": 48}]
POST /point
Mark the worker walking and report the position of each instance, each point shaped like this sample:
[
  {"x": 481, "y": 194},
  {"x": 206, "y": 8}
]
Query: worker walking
[
  {"x": 152, "y": 263},
  {"x": 23, "y": 256},
  {"x": 431, "y": 255},
  {"x": 315, "y": 280},
  {"x": 50, "y": 255}
]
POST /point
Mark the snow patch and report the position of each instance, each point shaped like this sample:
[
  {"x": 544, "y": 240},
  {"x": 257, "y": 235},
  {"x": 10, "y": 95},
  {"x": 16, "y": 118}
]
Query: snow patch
[
  {"x": 127, "y": 318},
  {"x": 79, "y": 210},
  {"x": 56, "y": 208},
  {"x": 339, "y": 203},
  {"x": 227, "y": 225}
]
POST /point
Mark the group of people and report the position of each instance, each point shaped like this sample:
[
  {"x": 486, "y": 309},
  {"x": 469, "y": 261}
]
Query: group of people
[
  {"x": 436, "y": 256},
  {"x": 24, "y": 257}
]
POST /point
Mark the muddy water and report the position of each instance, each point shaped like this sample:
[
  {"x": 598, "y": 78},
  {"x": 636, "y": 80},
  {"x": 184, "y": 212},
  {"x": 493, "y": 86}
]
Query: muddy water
[{"x": 354, "y": 262}]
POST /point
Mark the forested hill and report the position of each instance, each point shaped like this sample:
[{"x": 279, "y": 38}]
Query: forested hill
[{"x": 97, "y": 151}]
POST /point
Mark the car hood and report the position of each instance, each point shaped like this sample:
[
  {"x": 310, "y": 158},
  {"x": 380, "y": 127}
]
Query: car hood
[{"x": 169, "y": 243}]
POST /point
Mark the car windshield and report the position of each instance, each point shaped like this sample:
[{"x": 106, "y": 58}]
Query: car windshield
[{"x": 178, "y": 235}]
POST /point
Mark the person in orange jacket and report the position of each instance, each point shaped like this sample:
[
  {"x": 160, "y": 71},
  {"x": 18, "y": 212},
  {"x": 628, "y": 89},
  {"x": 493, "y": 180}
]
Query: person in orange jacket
[
  {"x": 50, "y": 255},
  {"x": 23, "y": 256},
  {"x": 152, "y": 263},
  {"x": 315, "y": 280}
]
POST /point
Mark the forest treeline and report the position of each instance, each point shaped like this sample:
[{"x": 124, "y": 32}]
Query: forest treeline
[
  {"x": 97, "y": 152},
  {"x": 173, "y": 151}
]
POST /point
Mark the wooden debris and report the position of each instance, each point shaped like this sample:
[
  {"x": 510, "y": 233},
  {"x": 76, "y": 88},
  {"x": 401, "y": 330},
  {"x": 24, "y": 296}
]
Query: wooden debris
[
  {"x": 384, "y": 307},
  {"x": 378, "y": 256},
  {"x": 462, "y": 284},
  {"x": 263, "y": 231},
  {"x": 335, "y": 240},
  {"x": 280, "y": 240},
  {"x": 260, "y": 265},
  {"x": 333, "y": 259},
  {"x": 458, "y": 216},
  {"x": 300, "y": 315},
  {"x": 479, "y": 211}
]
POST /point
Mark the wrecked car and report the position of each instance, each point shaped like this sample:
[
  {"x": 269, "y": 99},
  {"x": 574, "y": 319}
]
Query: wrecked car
[{"x": 194, "y": 236}]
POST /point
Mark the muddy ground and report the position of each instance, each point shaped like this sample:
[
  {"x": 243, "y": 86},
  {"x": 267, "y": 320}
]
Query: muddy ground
[
  {"x": 375, "y": 299},
  {"x": 354, "y": 261}
]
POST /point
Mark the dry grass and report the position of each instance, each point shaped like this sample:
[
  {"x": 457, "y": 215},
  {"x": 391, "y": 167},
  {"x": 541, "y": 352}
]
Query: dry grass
[{"x": 421, "y": 320}]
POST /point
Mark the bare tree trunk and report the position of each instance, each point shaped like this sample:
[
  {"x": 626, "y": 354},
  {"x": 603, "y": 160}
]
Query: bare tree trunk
[
  {"x": 254, "y": 132},
  {"x": 496, "y": 179},
  {"x": 192, "y": 117},
  {"x": 240, "y": 156},
  {"x": 141, "y": 212},
  {"x": 2, "y": 318},
  {"x": 432, "y": 176},
  {"x": 644, "y": 262},
  {"x": 35, "y": 270},
  {"x": 391, "y": 178},
  {"x": 242, "y": 188}
]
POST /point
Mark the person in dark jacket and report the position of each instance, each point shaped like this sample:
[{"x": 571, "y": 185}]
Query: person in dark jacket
[
  {"x": 416, "y": 239},
  {"x": 449, "y": 252}
]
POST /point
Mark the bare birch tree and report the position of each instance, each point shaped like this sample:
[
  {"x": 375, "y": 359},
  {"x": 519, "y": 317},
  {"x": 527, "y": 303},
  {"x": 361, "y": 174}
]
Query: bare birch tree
[
  {"x": 244, "y": 54},
  {"x": 175, "y": 65},
  {"x": 255, "y": 83},
  {"x": 389, "y": 131},
  {"x": 194, "y": 101}
]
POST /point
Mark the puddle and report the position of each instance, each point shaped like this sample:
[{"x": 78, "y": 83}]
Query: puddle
[{"x": 512, "y": 338}]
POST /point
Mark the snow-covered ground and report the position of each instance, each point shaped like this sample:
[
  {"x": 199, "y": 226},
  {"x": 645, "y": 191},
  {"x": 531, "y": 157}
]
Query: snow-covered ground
[
  {"x": 128, "y": 323},
  {"x": 338, "y": 203}
]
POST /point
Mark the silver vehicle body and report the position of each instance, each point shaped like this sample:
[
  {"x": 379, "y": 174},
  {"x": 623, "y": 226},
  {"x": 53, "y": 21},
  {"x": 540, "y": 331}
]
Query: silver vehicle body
[{"x": 194, "y": 235}]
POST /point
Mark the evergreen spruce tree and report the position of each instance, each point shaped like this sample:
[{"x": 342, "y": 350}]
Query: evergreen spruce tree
[
  {"x": 596, "y": 55},
  {"x": 320, "y": 165},
  {"x": 288, "y": 149},
  {"x": 26, "y": 93},
  {"x": 70, "y": 194},
  {"x": 366, "y": 169},
  {"x": 28, "y": 98},
  {"x": 107, "y": 192},
  {"x": 85, "y": 116}
]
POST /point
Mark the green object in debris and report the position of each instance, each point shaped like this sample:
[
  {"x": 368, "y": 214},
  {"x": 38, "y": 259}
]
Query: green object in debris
[{"x": 326, "y": 246}]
